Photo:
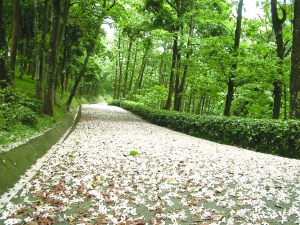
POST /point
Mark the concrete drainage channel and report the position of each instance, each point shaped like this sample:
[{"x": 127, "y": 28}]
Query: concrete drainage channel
[{"x": 15, "y": 162}]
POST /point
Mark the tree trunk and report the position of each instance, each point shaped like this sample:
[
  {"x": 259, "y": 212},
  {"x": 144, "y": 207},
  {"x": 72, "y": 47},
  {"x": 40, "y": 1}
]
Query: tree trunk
[
  {"x": 40, "y": 77},
  {"x": 89, "y": 52},
  {"x": 277, "y": 27},
  {"x": 62, "y": 27},
  {"x": 120, "y": 69},
  {"x": 52, "y": 59},
  {"x": 141, "y": 72},
  {"x": 231, "y": 83},
  {"x": 127, "y": 68},
  {"x": 295, "y": 67},
  {"x": 173, "y": 67},
  {"x": 14, "y": 41},
  {"x": 116, "y": 80},
  {"x": 5, "y": 79},
  {"x": 180, "y": 89},
  {"x": 133, "y": 70}
]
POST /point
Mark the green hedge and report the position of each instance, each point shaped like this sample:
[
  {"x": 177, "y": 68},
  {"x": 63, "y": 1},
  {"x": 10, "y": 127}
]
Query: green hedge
[{"x": 269, "y": 136}]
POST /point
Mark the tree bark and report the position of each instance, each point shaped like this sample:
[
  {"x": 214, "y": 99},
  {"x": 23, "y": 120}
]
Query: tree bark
[
  {"x": 89, "y": 52},
  {"x": 231, "y": 83},
  {"x": 173, "y": 67},
  {"x": 295, "y": 67},
  {"x": 141, "y": 72},
  {"x": 40, "y": 77},
  {"x": 127, "y": 68},
  {"x": 277, "y": 27},
  {"x": 5, "y": 79},
  {"x": 14, "y": 41},
  {"x": 116, "y": 80},
  {"x": 120, "y": 69},
  {"x": 62, "y": 27},
  {"x": 132, "y": 70},
  {"x": 180, "y": 88},
  {"x": 52, "y": 59}
]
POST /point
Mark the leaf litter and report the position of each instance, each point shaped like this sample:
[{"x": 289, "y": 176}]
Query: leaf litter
[{"x": 95, "y": 177}]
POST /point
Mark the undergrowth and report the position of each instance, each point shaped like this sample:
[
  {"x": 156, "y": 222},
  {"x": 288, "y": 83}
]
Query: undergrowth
[{"x": 22, "y": 114}]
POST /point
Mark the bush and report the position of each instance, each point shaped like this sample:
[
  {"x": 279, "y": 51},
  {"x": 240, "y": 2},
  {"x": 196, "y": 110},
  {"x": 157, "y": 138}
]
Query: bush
[
  {"x": 17, "y": 108},
  {"x": 276, "y": 137}
]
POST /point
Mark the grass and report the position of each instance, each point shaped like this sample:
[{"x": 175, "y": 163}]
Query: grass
[{"x": 23, "y": 117}]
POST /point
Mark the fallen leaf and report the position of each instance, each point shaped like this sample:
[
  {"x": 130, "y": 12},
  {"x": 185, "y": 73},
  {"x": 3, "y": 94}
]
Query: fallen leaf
[
  {"x": 153, "y": 221},
  {"x": 193, "y": 203}
]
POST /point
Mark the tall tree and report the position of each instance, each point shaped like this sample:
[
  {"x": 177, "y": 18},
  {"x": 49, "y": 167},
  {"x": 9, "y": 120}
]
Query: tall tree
[
  {"x": 89, "y": 50},
  {"x": 40, "y": 74},
  {"x": 231, "y": 82},
  {"x": 5, "y": 78},
  {"x": 14, "y": 42},
  {"x": 52, "y": 59},
  {"x": 179, "y": 86},
  {"x": 277, "y": 27},
  {"x": 295, "y": 67},
  {"x": 178, "y": 7}
]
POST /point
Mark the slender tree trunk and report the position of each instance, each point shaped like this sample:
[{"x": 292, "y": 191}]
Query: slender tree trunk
[
  {"x": 295, "y": 67},
  {"x": 177, "y": 82},
  {"x": 40, "y": 77},
  {"x": 65, "y": 16},
  {"x": 133, "y": 70},
  {"x": 127, "y": 68},
  {"x": 141, "y": 72},
  {"x": 120, "y": 69},
  {"x": 5, "y": 78},
  {"x": 63, "y": 71},
  {"x": 89, "y": 52},
  {"x": 180, "y": 88},
  {"x": 277, "y": 27},
  {"x": 14, "y": 41},
  {"x": 52, "y": 59},
  {"x": 116, "y": 80},
  {"x": 231, "y": 83},
  {"x": 172, "y": 73},
  {"x": 66, "y": 86}
]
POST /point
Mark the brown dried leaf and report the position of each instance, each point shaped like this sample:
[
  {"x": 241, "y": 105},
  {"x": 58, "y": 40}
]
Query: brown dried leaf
[
  {"x": 59, "y": 187},
  {"x": 32, "y": 223},
  {"x": 39, "y": 193},
  {"x": 193, "y": 203},
  {"x": 153, "y": 221}
]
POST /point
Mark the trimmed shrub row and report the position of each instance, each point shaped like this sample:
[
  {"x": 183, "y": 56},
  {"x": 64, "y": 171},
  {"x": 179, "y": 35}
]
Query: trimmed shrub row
[{"x": 269, "y": 136}]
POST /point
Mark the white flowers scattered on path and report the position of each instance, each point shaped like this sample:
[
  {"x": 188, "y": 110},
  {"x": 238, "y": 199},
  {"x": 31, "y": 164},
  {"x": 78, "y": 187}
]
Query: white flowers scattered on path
[{"x": 172, "y": 178}]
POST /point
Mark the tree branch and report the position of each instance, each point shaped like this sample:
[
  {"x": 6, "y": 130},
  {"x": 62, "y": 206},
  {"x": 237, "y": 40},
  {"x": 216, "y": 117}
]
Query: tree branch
[
  {"x": 284, "y": 13},
  {"x": 173, "y": 6},
  {"x": 286, "y": 43},
  {"x": 288, "y": 51},
  {"x": 112, "y": 5}
]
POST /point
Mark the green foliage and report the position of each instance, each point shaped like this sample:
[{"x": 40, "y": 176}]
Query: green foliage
[
  {"x": 276, "y": 137},
  {"x": 133, "y": 153},
  {"x": 114, "y": 102},
  {"x": 17, "y": 108}
]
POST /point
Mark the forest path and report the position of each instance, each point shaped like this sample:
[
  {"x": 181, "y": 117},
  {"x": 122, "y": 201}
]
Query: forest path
[{"x": 116, "y": 168}]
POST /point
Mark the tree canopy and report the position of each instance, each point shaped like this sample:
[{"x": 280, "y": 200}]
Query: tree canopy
[{"x": 203, "y": 57}]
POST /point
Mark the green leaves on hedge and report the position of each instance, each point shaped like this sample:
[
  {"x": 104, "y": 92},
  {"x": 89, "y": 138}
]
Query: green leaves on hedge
[{"x": 269, "y": 136}]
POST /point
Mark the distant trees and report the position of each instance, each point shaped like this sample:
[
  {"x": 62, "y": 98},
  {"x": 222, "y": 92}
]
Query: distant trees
[{"x": 45, "y": 44}]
